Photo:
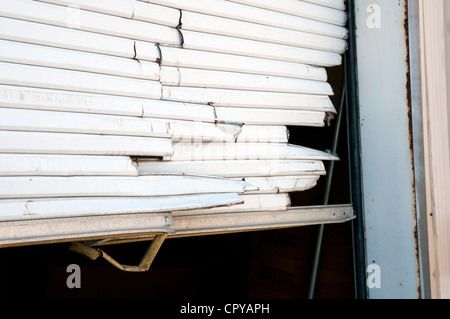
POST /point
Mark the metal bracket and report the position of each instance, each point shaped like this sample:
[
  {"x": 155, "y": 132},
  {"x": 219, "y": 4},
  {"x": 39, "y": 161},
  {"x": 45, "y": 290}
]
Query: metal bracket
[{"x": 144, "y": 265}]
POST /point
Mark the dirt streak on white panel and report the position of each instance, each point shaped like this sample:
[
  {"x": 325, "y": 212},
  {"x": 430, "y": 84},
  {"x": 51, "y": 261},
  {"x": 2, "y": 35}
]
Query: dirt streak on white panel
[{"x": 94, "y": 186}]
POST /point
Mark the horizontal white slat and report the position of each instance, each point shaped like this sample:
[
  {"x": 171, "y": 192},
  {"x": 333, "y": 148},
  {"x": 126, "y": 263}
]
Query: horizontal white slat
[
  {"x": 238, "y": 11},
  {"x": 258, "y": 116},
  {"x": 252, "y": 203},
  {"x": 24, "y": 53},
  {"x": 16, "y": 209},
  {"x": 38, "y": 33},
  {"x": 259, "y": 133},
  {"x": 59, "y": 37},
  {"x": 253, "y": 99},
  {"x": 55, "y": 100},
  {"x": 126, "y": 9},
  {"x": 88, "y": 21},
  {"x": 212, "y": 24},
  {"x": 178, "y": 111},
  {"x": 233, "y": 168},
  {"x": 301, "y": 9},
  {"x": 43, "y": 77},
  {"x": 225, "y": 44},
  {"x": 121, "y": 8},
  {"x": 82, "y": 144},
  {"x": 178, "y": 57},
  {"x": 65, "y": 165},
  {"x": 282, "y": 184},
  {"x": 336, "y": 4},
  {"x": 67, "y": 122},
  {"x": 121, "y": 186},
  {"x": 240, "y": 151},
  {"x": 174, "y": 76}
]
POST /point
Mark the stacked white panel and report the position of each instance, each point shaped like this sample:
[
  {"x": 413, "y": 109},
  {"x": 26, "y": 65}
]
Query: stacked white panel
[{"x": 104, "y": 103}]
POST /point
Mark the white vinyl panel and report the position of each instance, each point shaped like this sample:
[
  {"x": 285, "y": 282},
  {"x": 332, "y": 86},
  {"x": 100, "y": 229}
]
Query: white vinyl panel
[
  {"x": 195, "y": 131},
  {"x": 248, "y": 151},
  {"x": 178, "y": 111},
  {"x": 65, "y": 165},
  {"x": 24, "y": 53},
  {"x": 174, "y": 76},
  {"x": 336, "y": 4},
  {"x": 121, "y": 186},
  {"x": 228, "y": 9},
  {"x": 88, "y": 21},
  {"x": 82, "y": 144},
  {"x": 282, "y": 184},
  {"x": 178, "y": 57},
  {"x": 54, "y": 100},
  {"x": 224, "y": 44},
  {"x": 252, "y": 99},
  {"x": 43, "y": 77},
  {"x": 19, "y": 209},
  {"x": 260, "y": 133},
  {"x": 212, "y": 24},
  {"x": 67, "y": 122},
  {"x": 258, "y": 116},
  {"x": 121, "y": 8},
  {"x": 301, "y": 9},
  {"x": 234, "y": 168},
  {"x": 156, "y": 13},
  {"x": 252, "y": 203},
  {"x": 43, "y": 34},
  {"x": 127, "y": 9}
]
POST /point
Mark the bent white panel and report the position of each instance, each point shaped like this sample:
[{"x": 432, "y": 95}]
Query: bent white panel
[
  {"x": 178, "y": 111},
  {"x": 301, "y": 9},
  {"x": 282, "y": 184},
  {"x": 88, "y": 21},
  {"x": 258, "y": 116},
  {"x": 180, "y": 57},
  {"x": 83, "y": 144},
  {"x": 38, "y": 55},
  {"x": 65, "y": 165},
  {"x": 188, "y": 131},
  {"x": 266, "y": 133},
  {"x": 151, "y": 185},
  {"x": 247, "y": 151},
  {"x": 66, "y": 122},
  {"x": 212, "y": 24},
  {"x": 224, "y": 44},
  {"x": 233, "y": 168},
  {"x": 174, "y": 76},
  {"x": 238, "y": 11},
  {"x": 252, "y": 203},
  {"x": 255, "y": 99},
  {"x": 17, "y": 209}
]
